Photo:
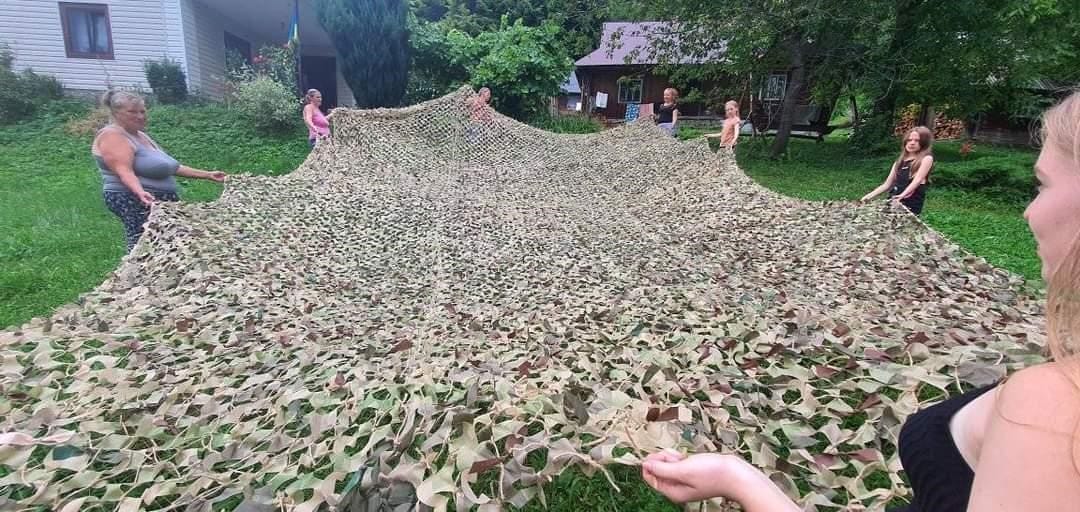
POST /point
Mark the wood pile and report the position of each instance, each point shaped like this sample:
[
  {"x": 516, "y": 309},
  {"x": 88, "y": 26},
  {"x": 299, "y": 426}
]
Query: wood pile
[{"x": 945, "y": 128}]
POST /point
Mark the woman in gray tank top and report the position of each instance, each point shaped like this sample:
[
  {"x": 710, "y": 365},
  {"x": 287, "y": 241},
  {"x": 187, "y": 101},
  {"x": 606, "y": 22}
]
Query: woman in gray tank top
[{"x": 135, "y": 172}]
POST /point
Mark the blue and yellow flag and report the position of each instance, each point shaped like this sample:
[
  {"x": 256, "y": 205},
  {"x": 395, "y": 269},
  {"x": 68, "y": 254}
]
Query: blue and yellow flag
[{"x": 294, "y": 26}]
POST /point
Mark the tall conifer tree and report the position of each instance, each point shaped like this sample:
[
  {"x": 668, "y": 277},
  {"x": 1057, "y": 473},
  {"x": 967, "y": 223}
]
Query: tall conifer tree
[{"x": 372, "y": 43}]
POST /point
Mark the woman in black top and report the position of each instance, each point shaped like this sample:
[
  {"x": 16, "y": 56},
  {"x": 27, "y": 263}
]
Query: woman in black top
[
  {"x": 667, "y": 113},
  {"x": 910, "y": 173},
  {"x": 1011, "y": 446}
]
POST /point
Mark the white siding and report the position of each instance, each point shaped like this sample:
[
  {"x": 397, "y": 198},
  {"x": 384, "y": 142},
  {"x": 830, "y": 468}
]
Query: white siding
[
  {"x": 205, "y": 31},
  {"x": 141, "y": 30}
]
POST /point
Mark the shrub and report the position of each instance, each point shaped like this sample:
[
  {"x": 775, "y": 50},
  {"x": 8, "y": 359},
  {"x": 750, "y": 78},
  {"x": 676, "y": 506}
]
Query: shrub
[
  {"x": 522, "y": 65},
  {"x": 89, "y": 123},
  {"x": 1000, "y": 176},
  {"x": 23, "y": 94},
  {"x": 276, "y": 62},
  {"x": 167, "y": 80},
  {"x": 268, "y": 105},
  {"x": 569, "y": 123}
]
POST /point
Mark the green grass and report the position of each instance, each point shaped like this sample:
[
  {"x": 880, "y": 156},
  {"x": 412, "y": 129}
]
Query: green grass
[
  {"x": 58, "y": 240},
  {"x": 572, "y": 491},
  {"x": 976, "y": 201}
]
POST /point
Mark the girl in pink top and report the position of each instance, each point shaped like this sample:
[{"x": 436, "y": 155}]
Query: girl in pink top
[{"x": 317, "y": 125}]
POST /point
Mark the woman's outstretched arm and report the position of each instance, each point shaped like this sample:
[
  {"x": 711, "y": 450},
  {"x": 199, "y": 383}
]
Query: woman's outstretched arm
[
  {"x": 712, "y": 475},
  {"x": 884, "y": 186}
]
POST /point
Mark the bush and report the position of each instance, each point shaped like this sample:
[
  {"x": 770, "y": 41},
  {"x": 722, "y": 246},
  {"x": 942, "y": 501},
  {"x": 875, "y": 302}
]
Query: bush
[
  {"x": 569, "y": 123},
  {"x": 89, "y": 123},
  {"x": 276, "y": 62},
  {"x": 23, "y": 94},
  {"x": 268, "y": 105},
  {"x": 522, "y": 65},
  {"x": 1000, "y": 176},
  {"x": 167, "y": 80}
]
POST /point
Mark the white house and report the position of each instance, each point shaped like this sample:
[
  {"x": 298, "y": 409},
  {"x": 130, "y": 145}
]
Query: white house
[{"x": 93, "y": 45}]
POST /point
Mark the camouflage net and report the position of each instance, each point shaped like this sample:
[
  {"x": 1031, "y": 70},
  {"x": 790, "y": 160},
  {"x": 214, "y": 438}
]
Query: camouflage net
[{"x": 436, "y": 310}]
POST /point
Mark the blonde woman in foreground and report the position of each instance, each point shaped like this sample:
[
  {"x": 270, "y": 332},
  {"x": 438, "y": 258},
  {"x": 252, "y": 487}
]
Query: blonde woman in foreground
[{"x": 1010, "y": 446}]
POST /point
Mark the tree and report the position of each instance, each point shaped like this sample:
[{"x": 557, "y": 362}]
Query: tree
[
  {"x": 581, "y": 20},
  {"x": 432, "y": 72},
  {"x": 522, "y": 65},
  {"x": 811, "y": 38},
  {"x": 962, "y": 57},
  {"x": 373, "y": 47},
  {"x": 968, "y": 58}
]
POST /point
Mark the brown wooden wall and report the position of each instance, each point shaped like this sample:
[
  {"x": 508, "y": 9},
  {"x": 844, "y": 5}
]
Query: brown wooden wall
[
  {"x": 606, "y": 79},
  {"x": 998, "y": 128}
]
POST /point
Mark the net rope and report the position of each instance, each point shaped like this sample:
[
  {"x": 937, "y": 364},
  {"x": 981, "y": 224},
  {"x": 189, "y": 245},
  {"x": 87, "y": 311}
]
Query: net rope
[{"x": 435, "y": 308}]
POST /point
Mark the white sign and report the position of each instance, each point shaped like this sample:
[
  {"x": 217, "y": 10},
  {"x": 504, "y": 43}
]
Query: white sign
[{"x": 601, "y": 100}]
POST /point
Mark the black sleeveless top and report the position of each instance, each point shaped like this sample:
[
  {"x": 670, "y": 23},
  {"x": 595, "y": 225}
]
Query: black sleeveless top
[
  {"x": 940, "y": 478},
  {"x": 903, "y": 179},
  {"x": 664, "y": 112}
]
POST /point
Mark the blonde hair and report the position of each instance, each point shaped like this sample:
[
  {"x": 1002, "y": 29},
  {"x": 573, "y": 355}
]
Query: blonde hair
[
  {"x": 674, "y": 93},
  {"x": 114, "y": 99},
  {"x": 732, "y": 103},
  {"x": 1061, "y": 130},
  {"x": 311, "y": 94}
]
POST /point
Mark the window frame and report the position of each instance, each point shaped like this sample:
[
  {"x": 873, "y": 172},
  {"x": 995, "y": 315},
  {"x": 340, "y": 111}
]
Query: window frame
[
  {"x": 783, "y": 90},
  {"x": 627, "y": 83},
  {"x": 100, "y": 9}
]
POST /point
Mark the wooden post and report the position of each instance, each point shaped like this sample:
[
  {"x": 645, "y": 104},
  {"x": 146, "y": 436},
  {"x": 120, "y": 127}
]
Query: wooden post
[
  {"x": 927, "y": 117},
  {"x": 854, "y": 112}
]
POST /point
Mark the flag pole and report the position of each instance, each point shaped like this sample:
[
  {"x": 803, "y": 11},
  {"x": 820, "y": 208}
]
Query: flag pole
[{"x": 299, "y": 58}]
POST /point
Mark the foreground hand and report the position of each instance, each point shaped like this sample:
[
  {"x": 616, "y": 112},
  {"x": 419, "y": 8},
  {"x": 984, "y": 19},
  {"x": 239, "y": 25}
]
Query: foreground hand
[
  {"x": 146, "y": 198},
  {"x": 217, "y": 176},
  {"x": 690, "y": 478}
]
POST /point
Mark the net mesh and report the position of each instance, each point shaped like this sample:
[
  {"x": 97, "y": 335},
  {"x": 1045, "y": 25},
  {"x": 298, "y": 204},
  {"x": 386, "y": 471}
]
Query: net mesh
[{"x": 438, "y": 307}]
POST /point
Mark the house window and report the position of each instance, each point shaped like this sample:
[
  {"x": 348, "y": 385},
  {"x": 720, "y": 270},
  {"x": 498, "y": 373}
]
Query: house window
[
  {"x": 630, "y": 91},
  {"x": 775, "y": 87},
  {"x": 87, "y": 33}
]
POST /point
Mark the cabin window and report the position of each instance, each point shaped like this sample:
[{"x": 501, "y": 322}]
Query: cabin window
[
  {"x": 630, "y": 91},
  {"x": 775, "y": 87},
  {"x": 87, "y": 32}
]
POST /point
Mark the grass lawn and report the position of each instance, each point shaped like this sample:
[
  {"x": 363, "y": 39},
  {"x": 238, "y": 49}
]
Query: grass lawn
[
  {"x": 976, "y": 201},
  {"x": 58, "y": 240}
]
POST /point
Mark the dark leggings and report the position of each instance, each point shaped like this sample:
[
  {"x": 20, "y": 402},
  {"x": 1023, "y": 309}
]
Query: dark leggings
[{"x": 132, "y": 212}]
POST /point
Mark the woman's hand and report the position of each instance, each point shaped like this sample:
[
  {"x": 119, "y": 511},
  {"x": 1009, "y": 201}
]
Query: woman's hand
[
  {"x": 146, "y": 198},
  {"x": 217, "y": 176},
  {"x": 694, "y": 478},
  {"x": 711, "y": 475}
]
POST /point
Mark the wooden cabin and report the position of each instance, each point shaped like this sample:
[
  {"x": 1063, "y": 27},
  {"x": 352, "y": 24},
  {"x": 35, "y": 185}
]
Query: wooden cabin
[{"x": 622, "y": 68}]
